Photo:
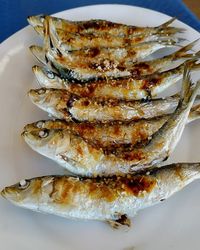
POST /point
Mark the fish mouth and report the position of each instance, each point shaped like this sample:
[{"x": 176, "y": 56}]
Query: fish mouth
[
  {"x": 23, "y": 134},
  {"x": 4, "y": 192}
]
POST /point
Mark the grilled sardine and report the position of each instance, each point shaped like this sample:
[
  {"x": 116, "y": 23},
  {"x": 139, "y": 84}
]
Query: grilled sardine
[
  {"x": 87, "y": 72},
  {"x": 100, "y": 27},
  {"x": 113, "y": 199}
]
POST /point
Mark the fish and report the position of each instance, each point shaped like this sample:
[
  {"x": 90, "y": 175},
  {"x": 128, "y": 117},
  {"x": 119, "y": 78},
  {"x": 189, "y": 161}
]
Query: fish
[
  {"x": 79, "y": 157},
  {"x": 62, "y": 104},
  {"x": 133, "y": 88},
  {"x": 101, "y": 27},
  {"x": 67, "y": 41},
  {"x": 100, "y": 59},
  {"x": 108, "y": 199},
  {"x": 110, "y": 135},
  {"x": 85, "y": 72}
]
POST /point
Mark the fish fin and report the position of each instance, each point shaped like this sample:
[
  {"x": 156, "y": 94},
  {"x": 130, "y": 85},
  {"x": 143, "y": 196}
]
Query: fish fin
[
  {"x": 39, "y": 30},
  {"x": 194, "y": 113},
  {"x": 39, "y": 53},
  {"x": 122, "y": 221},
  {"x": 165, "y": 25},
  {"x": 188, "y": 91},
  {"x": 183, "y": 52}
]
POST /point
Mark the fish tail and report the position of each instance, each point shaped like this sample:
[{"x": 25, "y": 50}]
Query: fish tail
[
  {"x": 47, "y": 39},
  {"x": 183, "y": 52},
  {"x": 194, "y": 113},
  {"x": 171, "y": 41},
  {"x": 188, "y": 92},
  {"x": 39, "y": 53},
  {"x": 165, "y": 25}
]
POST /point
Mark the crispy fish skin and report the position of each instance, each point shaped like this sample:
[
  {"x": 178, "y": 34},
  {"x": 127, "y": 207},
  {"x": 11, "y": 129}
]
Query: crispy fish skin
[
  {"x": 132, "y": 88},
  {"x": 64, "y": 105},
  {"x": 48, "y": 79},
  {"x": 101, "y": 27},
  {"x": 66, "y": 41},
  {"x": 101, "y": 59},
  {"x": 112, "y": 134},
  {"x": 101, "y": 199},
  {"x": 79, "y": 157}
]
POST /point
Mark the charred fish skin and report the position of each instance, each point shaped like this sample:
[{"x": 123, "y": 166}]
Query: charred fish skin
[
  {"x": 102, "y": 198},
  {"x": 84, "y": 109},
  {"x": 87, "y": 73},
  {"x": 101, "y": 27}
]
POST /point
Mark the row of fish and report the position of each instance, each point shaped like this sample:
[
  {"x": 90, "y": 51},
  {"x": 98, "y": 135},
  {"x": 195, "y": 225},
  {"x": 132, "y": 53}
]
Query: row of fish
[{"x": 109, "y": 128}]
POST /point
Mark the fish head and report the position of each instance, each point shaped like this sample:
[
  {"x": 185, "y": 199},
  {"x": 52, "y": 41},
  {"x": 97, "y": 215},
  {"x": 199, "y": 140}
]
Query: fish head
[
  {"x": 48, "y": 142},
  {"x": 36, "y": 20},
  {"x": 27, "y": 193},
  {"x": 47, "y": 78},
  {"x": 49, "y": 97}
]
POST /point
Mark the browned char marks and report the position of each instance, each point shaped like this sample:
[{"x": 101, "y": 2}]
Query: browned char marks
[
  {"x": 37, "y": 187},
  {"x": 137, "y": 155},
  {"x": 150, "y": 83},
  {"x": 108, "y": 189},
  {"x": 178, "y": 172},
  {"x": 138, "y": 184}
]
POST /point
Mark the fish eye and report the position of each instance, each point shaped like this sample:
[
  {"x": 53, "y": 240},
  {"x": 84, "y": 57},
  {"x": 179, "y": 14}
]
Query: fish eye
[
  {"x": 50, "y": 75},
  {"x": 43, "y": 133},
  {"x": 42, "y": 19},
  {"x": 41, "y": 91},
  {"x": 23, "y": 184},
  {"x": 39, "y": 124}
]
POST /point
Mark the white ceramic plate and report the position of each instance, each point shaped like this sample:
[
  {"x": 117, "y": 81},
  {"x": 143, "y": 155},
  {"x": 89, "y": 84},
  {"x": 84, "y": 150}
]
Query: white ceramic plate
[{"x": 174, "y": 224}]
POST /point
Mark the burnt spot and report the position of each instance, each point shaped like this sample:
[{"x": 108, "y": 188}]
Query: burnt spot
[
  {"x": 140, "y": 68},
  {"x": 138, "y": 39},
  {"x": 133, "y": 155},
  {"x": 79, "y": 150},
  {"x": 93, "y": 52},
  {"x": 71, "y": 101},
  {"x": 149, "y": 83},
  {"x": 84, "y": 129},
  {"x": 139, "y": 184},
  {"x": 99, "y": 25},
  {"x": 117, "y": 130},
  {"x": 84, "y": 91}
]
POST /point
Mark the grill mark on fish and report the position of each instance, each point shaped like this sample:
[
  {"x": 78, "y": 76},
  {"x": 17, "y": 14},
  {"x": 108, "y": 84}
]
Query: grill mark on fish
[
  {"x": 178, "y": 172},
  {"x": 37, "y": 187},
  {"x": 108, "y": 189}
]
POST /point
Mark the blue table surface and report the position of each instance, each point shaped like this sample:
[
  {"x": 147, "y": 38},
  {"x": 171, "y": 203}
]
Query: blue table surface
[{"x": 13, "y": 13}]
